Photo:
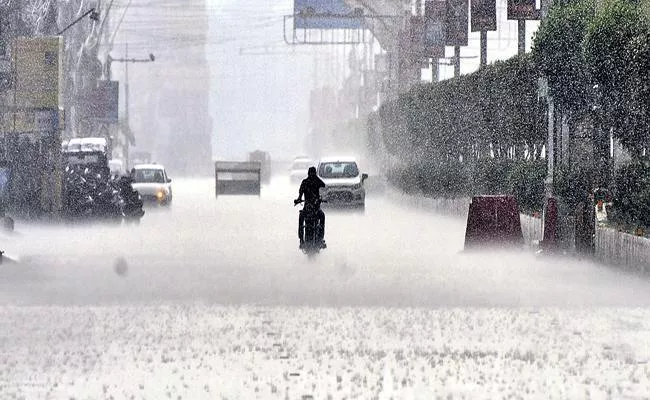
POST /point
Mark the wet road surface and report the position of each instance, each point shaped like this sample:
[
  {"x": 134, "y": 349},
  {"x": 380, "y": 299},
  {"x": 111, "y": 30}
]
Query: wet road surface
[{"x": 216, "y": 301}]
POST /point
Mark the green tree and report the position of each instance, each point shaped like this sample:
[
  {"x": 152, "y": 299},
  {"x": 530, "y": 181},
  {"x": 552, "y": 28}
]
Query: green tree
[
  {"x": 614, "y": 47},
  {"x": 558, "y": 53},
  {"x": 526, "y": 183},
  {"x": 632, "y": 195}
]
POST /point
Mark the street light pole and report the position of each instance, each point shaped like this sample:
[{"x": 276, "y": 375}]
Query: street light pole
[
  {"x": 110, "y": 60},
  {"x": 126, "y": 105},
  {"x": 108, "y": 76},
  {"x": 94, "y": 15}
]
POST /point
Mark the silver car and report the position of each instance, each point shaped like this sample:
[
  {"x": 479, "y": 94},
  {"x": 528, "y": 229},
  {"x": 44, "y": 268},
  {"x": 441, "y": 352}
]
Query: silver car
[
  {"x": 153, "y": 184},
  {"x": 344, "y": 184}
]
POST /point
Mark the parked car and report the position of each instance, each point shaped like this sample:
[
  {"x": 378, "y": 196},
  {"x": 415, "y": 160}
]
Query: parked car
[
  {"x": 344, "y": 183},
  {"x": 153, "y": 184}
]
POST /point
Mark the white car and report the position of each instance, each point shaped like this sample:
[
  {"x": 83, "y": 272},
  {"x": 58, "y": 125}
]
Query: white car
[
  {"x": 344, "y": 184},
  {"x": 153, "y": 184},
  {"x": 299, "y": 167}
]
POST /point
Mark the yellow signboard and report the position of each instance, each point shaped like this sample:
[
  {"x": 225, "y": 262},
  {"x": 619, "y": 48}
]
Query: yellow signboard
[{"x": 38, "y": 67}]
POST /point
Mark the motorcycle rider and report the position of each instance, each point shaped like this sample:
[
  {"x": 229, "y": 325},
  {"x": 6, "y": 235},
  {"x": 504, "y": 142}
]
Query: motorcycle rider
[
  {"x": 310, "y": 188},
  {"x": 131, "y": 196}
]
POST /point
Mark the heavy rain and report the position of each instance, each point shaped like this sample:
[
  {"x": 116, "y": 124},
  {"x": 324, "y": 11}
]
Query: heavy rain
[{"x": 482, "y": 165}]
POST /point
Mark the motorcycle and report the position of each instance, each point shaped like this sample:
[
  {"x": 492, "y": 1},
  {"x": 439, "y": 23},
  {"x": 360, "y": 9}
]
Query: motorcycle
[
  {"x": 89, "y": 195},
  {"x": 130, "y": 201},
  {"x": 78, "y": 200},
  {"x": 311, "y": 227}
]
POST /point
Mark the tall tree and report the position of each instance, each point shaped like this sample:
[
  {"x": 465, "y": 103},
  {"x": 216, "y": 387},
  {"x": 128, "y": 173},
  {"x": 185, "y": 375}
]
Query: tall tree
[
  {"x": 558, "y": 53},
  {"x": 615, "y": 45}
]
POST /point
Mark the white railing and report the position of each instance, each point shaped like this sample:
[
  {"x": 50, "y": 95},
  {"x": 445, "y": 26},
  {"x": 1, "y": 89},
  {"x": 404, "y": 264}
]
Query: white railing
[
  {"x": 622, "y": 249},
  {"x": 612, "y": 247},
  {"x": 532, "y": 228}
]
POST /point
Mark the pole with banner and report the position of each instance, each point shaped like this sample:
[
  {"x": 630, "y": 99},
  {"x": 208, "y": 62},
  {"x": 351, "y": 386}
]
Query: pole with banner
[
  {"x": 434, "y": 36},
  {"x": 456, "y": 32},
  {"x": 522, "y": 10},
  {"x": 484, "y": 19}
]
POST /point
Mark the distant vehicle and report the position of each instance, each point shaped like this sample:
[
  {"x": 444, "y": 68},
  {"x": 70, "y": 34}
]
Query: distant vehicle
[
  {"x": 153, "y": 184},
  {"x": 237, "y": 178},
  {"x": 87, "y": 144},
  {"x": 117, "y": 167},
  {"x": 87, "y": 153},
  {"x": 299, "y": 167},
  {"x": 344, "y": 184},
  {"x": 264, "y": 159}
]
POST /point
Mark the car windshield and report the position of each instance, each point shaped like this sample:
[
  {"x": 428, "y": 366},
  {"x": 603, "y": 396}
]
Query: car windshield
[
  {"x": 331, "y": 170},
  {"x": 149, "y": 176}
]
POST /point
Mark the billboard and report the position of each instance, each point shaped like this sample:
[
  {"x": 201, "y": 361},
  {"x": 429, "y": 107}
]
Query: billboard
[
  {"x": 484, "y": 15},
  {"x": 325, "y": 14},
  {"x": 38, "y": 67},
  {"x": 456, "y": 18},
  {"x": 523, "y": 10},
  {"x": 434, "y": 35},
  {"x": 101, "y": 103}
]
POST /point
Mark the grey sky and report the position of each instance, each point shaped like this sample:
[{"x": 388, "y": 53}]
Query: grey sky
[{"x": 258, "y": 101}]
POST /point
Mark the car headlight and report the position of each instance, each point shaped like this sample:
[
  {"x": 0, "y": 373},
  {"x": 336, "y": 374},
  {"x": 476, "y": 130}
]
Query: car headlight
[
  {"x": 161, "y": 194},
  {"x": 356, "y": 187}
]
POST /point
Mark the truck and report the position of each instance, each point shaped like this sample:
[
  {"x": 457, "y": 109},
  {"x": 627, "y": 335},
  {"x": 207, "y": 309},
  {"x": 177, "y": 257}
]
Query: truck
[
  {"x": 91, "y": 152},
  {"x": 237, "y": 178}
]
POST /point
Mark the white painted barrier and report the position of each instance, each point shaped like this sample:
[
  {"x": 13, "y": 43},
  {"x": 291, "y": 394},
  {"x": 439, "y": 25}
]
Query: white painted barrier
[{"x": 626, "y": 251}]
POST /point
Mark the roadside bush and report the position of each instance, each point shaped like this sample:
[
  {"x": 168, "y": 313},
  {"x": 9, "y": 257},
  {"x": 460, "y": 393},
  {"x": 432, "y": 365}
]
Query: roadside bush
[
  {"x": 451, "y": 180},
  {"x": 432, "y": 179},
  {"x": 631, "y": 203},
  {"x": 526, "y": 183},
  {"x": 523, "y": 179},
  {"x": 490, "y": 176},
  {"x": 573, "y": 185},
  {"x": 402, "y": 179}
]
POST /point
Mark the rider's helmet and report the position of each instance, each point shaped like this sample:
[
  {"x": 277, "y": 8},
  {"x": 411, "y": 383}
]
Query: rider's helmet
[{"x": 311, "y": 172}]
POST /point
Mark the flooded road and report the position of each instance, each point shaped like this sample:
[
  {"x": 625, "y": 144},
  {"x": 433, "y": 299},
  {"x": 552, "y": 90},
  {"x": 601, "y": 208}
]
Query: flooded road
[
  {"x": 244, "y": 250},
  {"x": 213, "y": 299}
]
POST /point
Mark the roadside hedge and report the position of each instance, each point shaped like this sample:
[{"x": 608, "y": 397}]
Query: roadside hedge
[
  {"x": 484, "y": 133},
  {"x": 475, "y": 134}
]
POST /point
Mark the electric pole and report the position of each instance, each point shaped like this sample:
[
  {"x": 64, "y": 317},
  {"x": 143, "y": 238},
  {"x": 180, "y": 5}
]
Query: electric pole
[
  {"x": 127, "y": 123},
  {"x": 483, "y": 60},
  {"x": 521, "y": 36}
]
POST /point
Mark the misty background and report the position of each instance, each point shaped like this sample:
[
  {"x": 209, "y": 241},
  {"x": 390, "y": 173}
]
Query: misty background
[{"x": 223, "y": 67}]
